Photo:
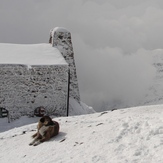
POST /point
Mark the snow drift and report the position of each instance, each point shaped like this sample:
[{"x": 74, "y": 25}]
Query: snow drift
[{"x": 125, "y": 135}]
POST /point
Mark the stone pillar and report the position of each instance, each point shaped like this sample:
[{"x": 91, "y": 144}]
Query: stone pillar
[{"x": 61, "y": 39}]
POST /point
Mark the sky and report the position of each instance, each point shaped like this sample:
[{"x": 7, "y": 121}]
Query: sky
[
  {"x": 133, "y": 135},
  {"x": 113, "y": 41}
]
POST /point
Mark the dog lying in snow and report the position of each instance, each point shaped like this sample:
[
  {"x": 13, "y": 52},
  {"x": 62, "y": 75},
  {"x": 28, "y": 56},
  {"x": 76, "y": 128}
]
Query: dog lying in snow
[{"x": 46, "y": 129}]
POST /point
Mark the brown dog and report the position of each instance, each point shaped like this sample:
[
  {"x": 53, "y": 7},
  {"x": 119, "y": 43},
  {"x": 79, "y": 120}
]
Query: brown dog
[{"x": 46, "y": 129}]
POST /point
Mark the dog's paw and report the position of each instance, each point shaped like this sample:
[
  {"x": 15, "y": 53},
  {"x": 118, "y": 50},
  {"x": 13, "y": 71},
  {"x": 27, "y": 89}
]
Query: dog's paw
[
  {"x": 36, "y": 143},
  {"x": 31, "y": 143}
]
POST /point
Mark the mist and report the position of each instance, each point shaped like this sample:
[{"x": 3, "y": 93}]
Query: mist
[{"x": 113, "y": 42}]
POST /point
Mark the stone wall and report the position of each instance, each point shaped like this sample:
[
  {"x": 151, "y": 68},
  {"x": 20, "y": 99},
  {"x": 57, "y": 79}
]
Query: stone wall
[
  {"x": 22, "y": 89},
  {"x": 61, "y": 39}
]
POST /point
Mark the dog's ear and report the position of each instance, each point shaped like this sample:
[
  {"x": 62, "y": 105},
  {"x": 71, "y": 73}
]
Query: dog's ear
[
  {"x": 51, "y": 123},
  {"x": 42, "y": 120}
]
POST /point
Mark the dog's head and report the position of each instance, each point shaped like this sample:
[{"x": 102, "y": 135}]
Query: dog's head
[{"x": 45, "y": 121}]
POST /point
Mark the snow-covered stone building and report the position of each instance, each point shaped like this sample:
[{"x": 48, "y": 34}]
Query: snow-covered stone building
[{"x": 39, "y": 75}]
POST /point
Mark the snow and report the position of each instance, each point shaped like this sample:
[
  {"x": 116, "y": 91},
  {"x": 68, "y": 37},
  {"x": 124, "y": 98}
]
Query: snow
[
  {"x": 78, "y": 109},
  {"x": 30, "y": 54},
  {"x": 60, "y": 29},
  {"x": 154, "y": 93},
  {"x": 133, "y": 135}
]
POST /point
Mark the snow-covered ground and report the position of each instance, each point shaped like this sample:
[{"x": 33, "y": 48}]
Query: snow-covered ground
[{"x": 133, "y": 135}]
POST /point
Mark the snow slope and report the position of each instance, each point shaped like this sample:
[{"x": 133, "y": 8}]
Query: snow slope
[
  {"x": 154, "y": 93},
  {"x": 133, "y": 135},
  {"x": 78, "y": 109}
]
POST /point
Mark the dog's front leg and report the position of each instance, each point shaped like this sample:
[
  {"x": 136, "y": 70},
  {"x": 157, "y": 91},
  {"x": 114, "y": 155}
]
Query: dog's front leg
[
  {"x": 37, "y": 136},
  {"x": 39, "y": 141},
  {"x": 45, "y": 138},
  {"x": 33, "y": 136},
  {"x": 33, "y": 142}
]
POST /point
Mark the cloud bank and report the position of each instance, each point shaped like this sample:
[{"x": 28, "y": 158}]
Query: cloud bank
[{"x": 113, "y": 42}]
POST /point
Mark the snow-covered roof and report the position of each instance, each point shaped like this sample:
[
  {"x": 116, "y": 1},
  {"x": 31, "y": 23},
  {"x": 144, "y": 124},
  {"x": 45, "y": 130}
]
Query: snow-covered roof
[{"x": 30, "y": 54}]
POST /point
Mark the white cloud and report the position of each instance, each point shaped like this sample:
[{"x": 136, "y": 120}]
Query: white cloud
[{"x": 107, "y": 75}]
